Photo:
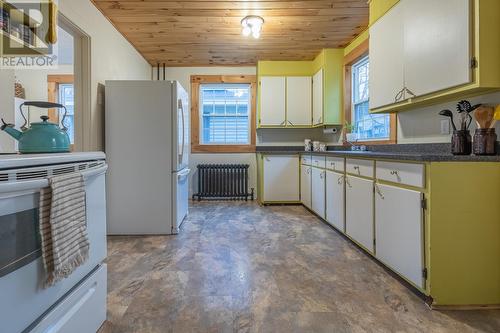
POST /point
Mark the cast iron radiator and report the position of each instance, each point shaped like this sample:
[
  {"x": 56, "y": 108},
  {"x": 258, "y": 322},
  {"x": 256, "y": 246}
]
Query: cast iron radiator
[{"x": 223, "y": 181}]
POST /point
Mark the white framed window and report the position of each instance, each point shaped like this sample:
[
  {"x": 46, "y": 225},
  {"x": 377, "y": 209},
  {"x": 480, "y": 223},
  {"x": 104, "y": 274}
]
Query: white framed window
[
  {"x": 225, "y": 110},
  {"x": 366, "y": 126}
]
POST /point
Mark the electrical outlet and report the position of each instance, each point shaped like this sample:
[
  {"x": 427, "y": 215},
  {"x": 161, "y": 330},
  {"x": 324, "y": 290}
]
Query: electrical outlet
[{"x": 445, "y": 126}]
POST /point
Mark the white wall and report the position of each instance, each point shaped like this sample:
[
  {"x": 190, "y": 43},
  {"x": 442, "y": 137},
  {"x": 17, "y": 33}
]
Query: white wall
[
  {"x": 112, "y": 58},
  {"x": 422, "y": 125},
  {"x": 34, "y": 82}
]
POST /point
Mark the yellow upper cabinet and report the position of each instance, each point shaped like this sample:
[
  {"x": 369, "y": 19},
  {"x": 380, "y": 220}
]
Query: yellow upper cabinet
[
  {"x": 424, "y": 52},
  {"x": 301, "y": 94}
]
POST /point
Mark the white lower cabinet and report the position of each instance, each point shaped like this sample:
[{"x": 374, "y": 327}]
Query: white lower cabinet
[
  {"x": 318, "y": 191},
  {"x": 335, "y": 199},
  {"x": 305, "y": 185},
  {"x": 399, "y": 231},
  {"x": 359, "y": 211},
  {"x": 281, "y": 178}
]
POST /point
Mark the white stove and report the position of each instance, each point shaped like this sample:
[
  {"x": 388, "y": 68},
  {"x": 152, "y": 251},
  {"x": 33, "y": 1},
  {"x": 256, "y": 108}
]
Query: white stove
[{"x": 76, "y": 304}]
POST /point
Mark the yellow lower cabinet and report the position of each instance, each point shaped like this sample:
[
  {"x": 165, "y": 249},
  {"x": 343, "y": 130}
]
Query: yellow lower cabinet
[
  {"x": 359, "y": 211},
  {"x": 280, "y": 178},
  {"x": 399, "y": 231},
  {"x": 318, "y": 191}
]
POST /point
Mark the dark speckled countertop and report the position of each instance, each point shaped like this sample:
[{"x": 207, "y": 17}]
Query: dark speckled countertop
[{"x": 427, "y": 152}]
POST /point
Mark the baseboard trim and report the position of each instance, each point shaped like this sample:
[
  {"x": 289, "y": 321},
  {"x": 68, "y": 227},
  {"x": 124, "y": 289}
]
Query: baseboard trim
[{"x": 465, "y": 307}]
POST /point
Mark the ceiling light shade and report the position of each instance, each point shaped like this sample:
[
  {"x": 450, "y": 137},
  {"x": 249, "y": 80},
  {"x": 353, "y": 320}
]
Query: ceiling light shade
[{"x": 252, "y": 25}]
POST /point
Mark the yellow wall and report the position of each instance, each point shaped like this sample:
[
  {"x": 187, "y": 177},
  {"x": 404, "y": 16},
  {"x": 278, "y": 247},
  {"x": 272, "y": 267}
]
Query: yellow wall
[
  {"x": 379, "y": 7},
  {"x": 356, "y": 42}
]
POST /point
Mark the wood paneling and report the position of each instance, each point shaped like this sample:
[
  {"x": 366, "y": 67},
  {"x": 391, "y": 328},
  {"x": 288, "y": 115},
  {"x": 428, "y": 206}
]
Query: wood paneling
[{"x": 198, "y": 33}]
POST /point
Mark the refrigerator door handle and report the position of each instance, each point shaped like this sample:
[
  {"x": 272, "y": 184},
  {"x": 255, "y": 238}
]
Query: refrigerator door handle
[
  {"x": 183, "y": 173},
  {"x": 181, "y": 155}
]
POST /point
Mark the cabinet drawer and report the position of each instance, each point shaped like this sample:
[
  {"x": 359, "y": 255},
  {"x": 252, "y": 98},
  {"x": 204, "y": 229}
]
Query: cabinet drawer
[
  {"x": 335, "y": 163},
  {"x": 305, "y": 159},
  {"x": 360, "y": 167},
  {"x": 318, "y": 161},
  {"x": 412, "y": 174}
]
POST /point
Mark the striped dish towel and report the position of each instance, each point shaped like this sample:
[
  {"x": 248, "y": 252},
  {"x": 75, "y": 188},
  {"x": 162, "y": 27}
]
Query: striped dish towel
[{"x": 63, "y": 226}]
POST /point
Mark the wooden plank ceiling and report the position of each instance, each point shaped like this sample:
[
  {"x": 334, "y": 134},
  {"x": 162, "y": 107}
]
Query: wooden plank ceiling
[{"x": 200, "y": 33}]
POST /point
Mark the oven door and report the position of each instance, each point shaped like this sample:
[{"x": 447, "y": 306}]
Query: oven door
[{"x": 24, "y": 300}]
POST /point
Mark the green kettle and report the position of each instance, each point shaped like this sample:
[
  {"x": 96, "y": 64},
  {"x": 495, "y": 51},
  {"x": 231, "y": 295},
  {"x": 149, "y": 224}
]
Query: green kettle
[{"x": 40, "y": 137}]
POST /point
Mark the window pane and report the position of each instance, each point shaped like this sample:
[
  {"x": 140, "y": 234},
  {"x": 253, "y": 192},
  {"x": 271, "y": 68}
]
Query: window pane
[
  {"x": 225, "y": 118},
  {"x": 366, "y": 125}
]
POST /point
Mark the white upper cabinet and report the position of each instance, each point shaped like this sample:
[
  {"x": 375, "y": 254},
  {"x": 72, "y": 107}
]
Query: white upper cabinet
[
  {"x": 437, "y": 50},
  {"x": 317, "y": 96},
  {"x": 298, "y": 100},
  {"x": 272, "y": 101},
  {"x": 386, "y": 59},
  {"x": 419, "y": 47}
]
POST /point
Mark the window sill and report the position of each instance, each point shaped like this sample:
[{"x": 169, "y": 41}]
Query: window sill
[{"x": 200, "y": 149}]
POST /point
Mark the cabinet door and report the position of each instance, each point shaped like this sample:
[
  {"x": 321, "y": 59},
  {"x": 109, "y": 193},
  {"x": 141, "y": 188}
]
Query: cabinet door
[
  {"x": 386, "y": 58},
  {"x": 298, "y": 100},
  {"x": 335, "y": 199},
  {"x": 399, "y": 231},
  {"x": 318, "y": 97},
  {"x": 272, "y": 101},
  {"x": 436, "y": 44},
  {"x": 305, "y": 185},
  {"x": 281, "y": 178},
  {"x": 359, "y": 211},
  {"x": 318, "y": 191}
]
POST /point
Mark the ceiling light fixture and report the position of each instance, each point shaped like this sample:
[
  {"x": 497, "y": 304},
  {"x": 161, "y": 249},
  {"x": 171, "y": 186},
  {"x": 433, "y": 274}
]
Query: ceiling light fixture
[{"x": 252, "y": 25}]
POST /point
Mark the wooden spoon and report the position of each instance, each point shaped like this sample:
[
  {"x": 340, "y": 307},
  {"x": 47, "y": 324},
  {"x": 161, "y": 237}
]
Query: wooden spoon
[
  {"x": 496, "y": 116},
  {"x": 484, "y": 116}
]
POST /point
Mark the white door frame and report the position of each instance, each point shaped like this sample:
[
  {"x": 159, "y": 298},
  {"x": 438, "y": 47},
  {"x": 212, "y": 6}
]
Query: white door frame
[{"x": 82, "y": 84}]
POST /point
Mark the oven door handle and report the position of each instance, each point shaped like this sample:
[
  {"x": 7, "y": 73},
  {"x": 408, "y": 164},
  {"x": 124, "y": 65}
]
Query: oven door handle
[
  {"x": 38, "y": 184},
  {"x": 94, "y": 172}
]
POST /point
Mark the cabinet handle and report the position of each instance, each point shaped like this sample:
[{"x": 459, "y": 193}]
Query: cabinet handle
[
  {"x": 290, "y": 123},
  {"x": 356, "y": 167},
  {"x": 267, "y": 159},
  {"x": 410, "y": 92},
  {"x": 283, "y": 123},
  {"x": 399, "y": 95},
  {"x": 396, "y": 173},
  {"x": 347, "y": 182},
  {"x": 379, "y": 192},
  {"x": 321, "y": 175},
  {"x": 340, "y": 180},
  {"x": 332, "y": 164}
]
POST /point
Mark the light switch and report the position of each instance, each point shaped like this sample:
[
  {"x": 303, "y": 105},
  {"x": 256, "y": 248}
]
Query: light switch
[{"x": 445, "y": 126}]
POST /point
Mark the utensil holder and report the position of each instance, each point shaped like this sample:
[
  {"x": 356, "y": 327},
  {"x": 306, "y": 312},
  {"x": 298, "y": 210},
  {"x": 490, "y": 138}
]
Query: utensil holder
[
  {"x": 461, "y": 142},
  {"x": 485, "y": 141}
]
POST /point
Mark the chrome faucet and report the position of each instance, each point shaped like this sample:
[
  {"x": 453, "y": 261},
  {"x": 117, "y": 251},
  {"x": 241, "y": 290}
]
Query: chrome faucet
[{"x": 354, "y": 146}]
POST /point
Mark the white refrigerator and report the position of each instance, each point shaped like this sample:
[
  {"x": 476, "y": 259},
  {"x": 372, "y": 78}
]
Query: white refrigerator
[{"x": 147, "y": 148}]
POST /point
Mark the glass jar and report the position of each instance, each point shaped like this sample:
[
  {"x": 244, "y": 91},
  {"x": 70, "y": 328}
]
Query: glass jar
[
  {"x": 485, "y": 141},
  {"x": 461, "y": 142}
]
